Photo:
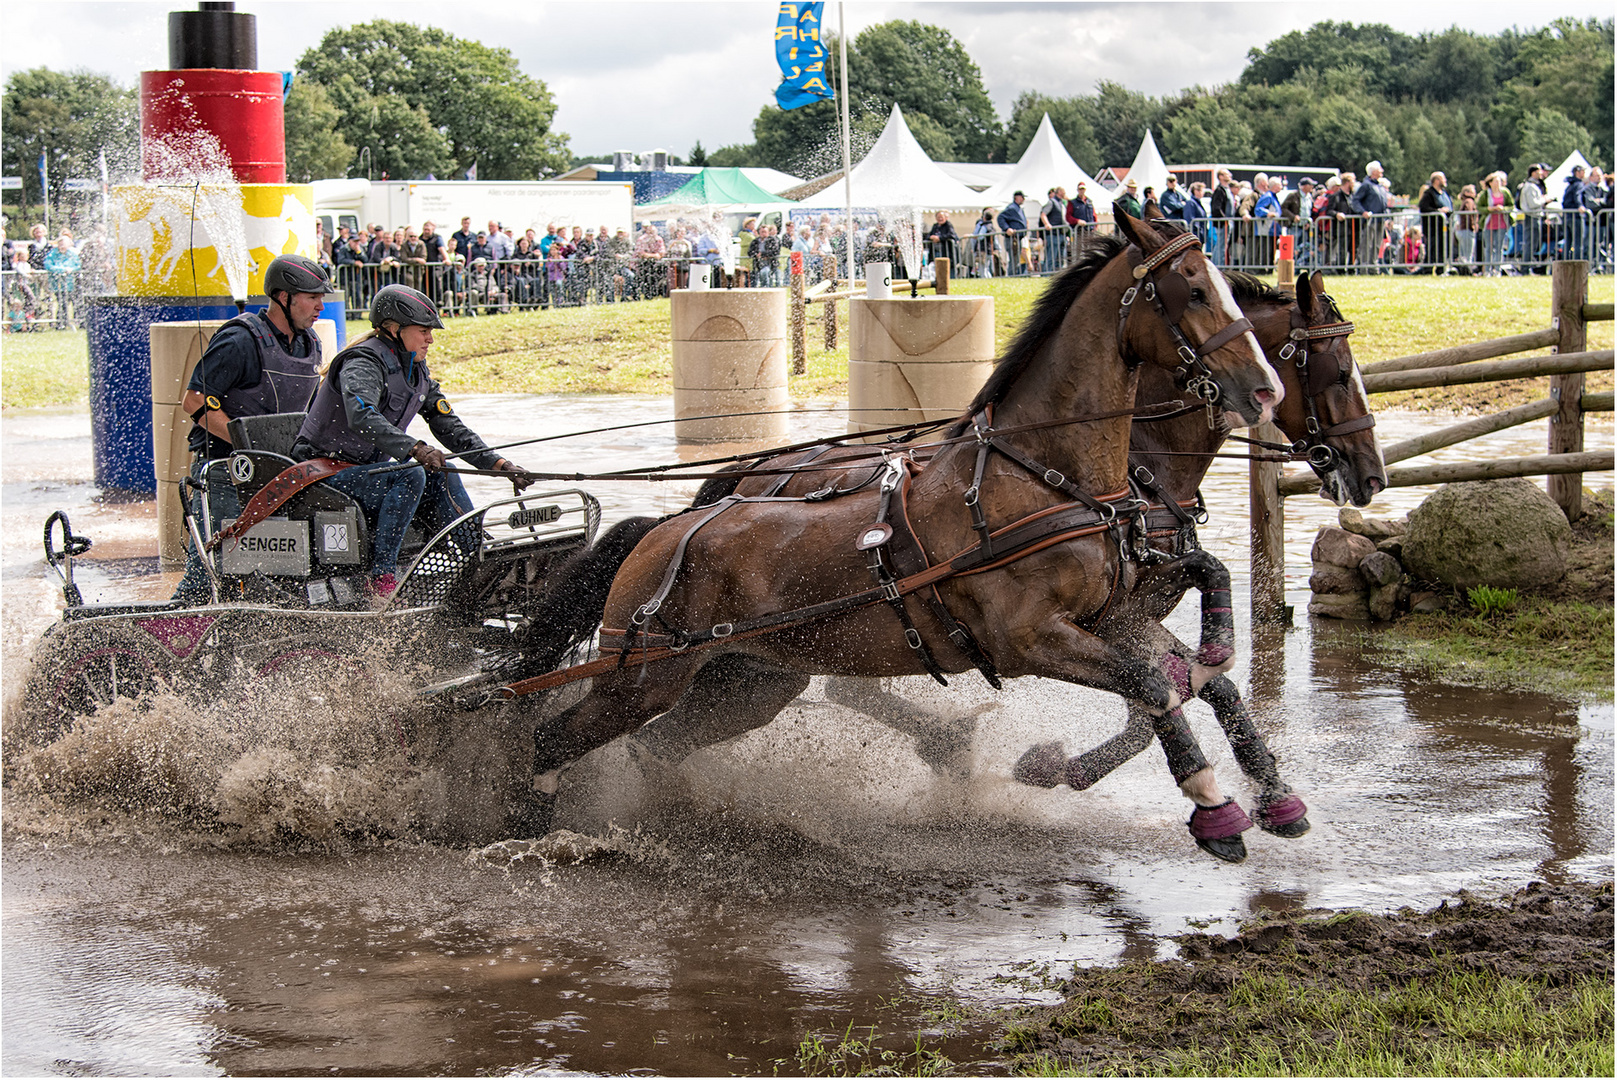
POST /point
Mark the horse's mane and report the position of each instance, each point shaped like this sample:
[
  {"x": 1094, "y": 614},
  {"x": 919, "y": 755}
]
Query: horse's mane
[
  {"x": 1246, "y": 287},
  {"x": 1048, "y": 312}
]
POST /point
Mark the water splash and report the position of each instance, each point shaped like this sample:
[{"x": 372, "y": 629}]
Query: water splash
[{"x": 193, "y": 197}]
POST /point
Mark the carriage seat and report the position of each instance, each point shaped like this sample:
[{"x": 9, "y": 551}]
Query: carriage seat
[{"x": 273, "y": 432}]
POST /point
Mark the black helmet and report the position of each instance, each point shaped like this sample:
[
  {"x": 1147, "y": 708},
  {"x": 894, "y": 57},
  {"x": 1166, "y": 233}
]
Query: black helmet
[
  {"x": 405, "y": 306},
  {"x": 296, "y": 274}
]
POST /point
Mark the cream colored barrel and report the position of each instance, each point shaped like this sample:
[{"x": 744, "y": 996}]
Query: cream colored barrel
[
  {"x": 914, "y": 360},
  {"x": 176, "y": 348},
  {"x": 730, "y": 356}
]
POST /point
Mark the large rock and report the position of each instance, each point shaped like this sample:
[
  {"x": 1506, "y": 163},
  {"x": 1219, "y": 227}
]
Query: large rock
[
  {"x": 1335, "y": 579},
  {"x": 1338, "y": 547},
  {"x": 1380, "y": 569},
  {"x": 1383, "y": 602},
  {"x": 1506, "y": 533}
]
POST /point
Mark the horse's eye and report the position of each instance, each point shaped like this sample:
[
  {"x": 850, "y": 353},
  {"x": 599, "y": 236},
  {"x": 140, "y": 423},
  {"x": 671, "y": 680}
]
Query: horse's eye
[{"x": 1197, "y": 296}]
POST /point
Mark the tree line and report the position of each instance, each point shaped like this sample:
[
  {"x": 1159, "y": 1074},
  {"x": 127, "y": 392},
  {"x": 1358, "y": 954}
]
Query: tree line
[{"x": 396, "y": 99}]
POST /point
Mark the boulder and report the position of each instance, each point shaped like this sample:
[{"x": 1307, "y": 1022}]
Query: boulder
[
  {"x": 1354, "y": 521},
  {"x": 1383, "y": 602},
  {"x": 1338, "y": 547},
  {"x": 1335, "y": 579},
  {"x": 1506, "y": 533},
  {"x": 1378, "y": 568},
  {"x": 1340, "y": 606}
]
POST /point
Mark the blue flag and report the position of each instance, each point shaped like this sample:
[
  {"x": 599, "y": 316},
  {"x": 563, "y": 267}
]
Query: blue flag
[{"x": 801, "y": 55}]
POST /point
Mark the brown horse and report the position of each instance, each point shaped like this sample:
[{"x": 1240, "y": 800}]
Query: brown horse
[
  {"x": 782, "y": 581},
  {"x": 1325, "y": 412}
]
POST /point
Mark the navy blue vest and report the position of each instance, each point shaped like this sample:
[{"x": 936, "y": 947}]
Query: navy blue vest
[
  {"x": 326, "y": 428},
  {"x": 287, "y": 382}
]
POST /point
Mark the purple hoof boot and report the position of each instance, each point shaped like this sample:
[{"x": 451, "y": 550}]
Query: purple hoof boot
[
  {"x": 1044, "y": 765},
  {"x": 1285, "y": 816},
  {"x": 1213, "y": 655},
  {"x": 1218, "y": 830}
]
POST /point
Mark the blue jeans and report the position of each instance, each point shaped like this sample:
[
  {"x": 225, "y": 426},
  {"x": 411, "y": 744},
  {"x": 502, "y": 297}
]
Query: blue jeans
[
  {"x": 223, "y": 503},
  {"x": 390, "y": 501}
]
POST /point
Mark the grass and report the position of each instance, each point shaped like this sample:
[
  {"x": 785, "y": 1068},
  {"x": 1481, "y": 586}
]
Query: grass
[
  {"x": 625, "y": 348},
  {"x": 1458, "y": 1023},
  {"x": 1568, "y": 643},
  {"x": 849, "y": 1054}
]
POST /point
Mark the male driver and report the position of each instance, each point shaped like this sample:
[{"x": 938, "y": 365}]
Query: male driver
[{"x": 256, "y": 364}]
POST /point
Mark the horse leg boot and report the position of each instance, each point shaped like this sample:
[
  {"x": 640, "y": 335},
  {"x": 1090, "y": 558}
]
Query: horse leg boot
[{"x": 1279, "y": 810}]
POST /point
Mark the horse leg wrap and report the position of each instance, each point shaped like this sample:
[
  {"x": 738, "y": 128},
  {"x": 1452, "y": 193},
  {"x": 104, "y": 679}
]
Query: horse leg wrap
[
  {"x": 1251, "y": 752},
  {"x": 1218, "y": 618},
  {"x": 1185, "y": 758},
  {"x": 1217, "y": 830},
  {"x": 1177, "y": 669}
]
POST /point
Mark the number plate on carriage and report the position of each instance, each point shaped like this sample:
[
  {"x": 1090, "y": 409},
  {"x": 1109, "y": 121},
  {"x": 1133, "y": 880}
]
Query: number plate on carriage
[
  {"x": 538, "y": 515},
  {"x": 275, "y": 546}
]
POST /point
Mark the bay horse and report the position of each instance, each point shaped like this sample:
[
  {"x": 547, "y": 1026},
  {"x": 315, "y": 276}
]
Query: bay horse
[
  {"x": 1014, "y": 536},
  {"x": 1325, "y": 411}
]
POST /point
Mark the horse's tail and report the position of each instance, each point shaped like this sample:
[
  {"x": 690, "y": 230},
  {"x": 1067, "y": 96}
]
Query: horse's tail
[{"x": 572, "y": 606}]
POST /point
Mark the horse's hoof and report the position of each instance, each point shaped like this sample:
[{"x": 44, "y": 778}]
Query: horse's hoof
[
  {"x": 1218, "y": 830},
  {"x": 1232, "y": 850},
  {"x": 1044, "y": 765},
  {"x": 1286, "y": 817}
]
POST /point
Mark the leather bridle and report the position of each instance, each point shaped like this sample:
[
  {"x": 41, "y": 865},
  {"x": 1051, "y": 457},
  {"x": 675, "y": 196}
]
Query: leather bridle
[
  {"x": 1169, "y": 292},
  {"x": 1318, "y": 377}
]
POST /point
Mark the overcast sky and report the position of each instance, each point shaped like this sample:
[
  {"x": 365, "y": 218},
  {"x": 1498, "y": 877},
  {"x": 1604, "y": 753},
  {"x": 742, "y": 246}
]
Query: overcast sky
[{"x": 639, "y": 76}]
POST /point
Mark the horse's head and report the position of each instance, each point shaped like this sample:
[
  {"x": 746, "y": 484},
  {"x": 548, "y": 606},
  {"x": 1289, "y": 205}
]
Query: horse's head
[
  {"x": 1325, "y": 406},
  {"x": 1192, "y": 325}
]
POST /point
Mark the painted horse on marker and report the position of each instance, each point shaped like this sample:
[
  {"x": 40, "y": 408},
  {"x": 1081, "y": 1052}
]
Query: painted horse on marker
[{"x": 1015, "y": 539}]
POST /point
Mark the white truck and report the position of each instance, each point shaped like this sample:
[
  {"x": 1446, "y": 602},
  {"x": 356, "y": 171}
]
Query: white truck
[{"x": 519, "y": 204}]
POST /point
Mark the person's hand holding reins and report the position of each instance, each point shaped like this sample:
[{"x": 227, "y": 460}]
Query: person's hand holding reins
[
  {"x": 430, "y": 456},
  {"x": 520, "y": 480}
]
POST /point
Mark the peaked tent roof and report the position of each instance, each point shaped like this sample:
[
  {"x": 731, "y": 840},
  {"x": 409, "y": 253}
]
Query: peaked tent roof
[
  {"x": 1556, "y": 181},
  {"x": 722, "y": 187},
  {"x": 1148, "y": 168},
  {"x": 897, "y": 172},
  {"x": 1046, "y": 164}
]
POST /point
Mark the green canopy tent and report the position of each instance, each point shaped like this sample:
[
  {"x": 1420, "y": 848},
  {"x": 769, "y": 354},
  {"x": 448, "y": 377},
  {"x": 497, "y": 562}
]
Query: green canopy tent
[{"x": 724, "y": 190}]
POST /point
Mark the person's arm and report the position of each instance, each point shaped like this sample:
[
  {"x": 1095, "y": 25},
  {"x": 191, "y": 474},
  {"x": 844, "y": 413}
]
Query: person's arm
[{"x": 230, "y": 360}]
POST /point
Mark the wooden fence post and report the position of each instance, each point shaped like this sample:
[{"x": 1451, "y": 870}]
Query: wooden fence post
[
  {"x": 1569, "y": 289},
  {"x": 799, "y": 334},
  {"x": 830, "y": 309},
  {"x": 1268, "y": 534},
  {"x": 941, "y": 269}
]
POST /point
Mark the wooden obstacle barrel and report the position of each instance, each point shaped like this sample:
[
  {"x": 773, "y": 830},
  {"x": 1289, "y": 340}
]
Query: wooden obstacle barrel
[
  {"x": 914, "y": 360},
  {"x": 730, "y": 356}
]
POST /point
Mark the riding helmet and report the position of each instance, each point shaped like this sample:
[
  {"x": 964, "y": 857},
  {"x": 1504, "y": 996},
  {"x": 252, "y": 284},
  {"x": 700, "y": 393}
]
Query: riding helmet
[
  {"x": 296, "y": 274},
  {"x": 405, "y": 306}
]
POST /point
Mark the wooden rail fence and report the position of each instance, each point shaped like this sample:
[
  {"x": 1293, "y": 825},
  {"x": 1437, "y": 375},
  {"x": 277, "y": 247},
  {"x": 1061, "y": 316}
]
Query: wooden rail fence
[{"x": 1563, "y": 465}]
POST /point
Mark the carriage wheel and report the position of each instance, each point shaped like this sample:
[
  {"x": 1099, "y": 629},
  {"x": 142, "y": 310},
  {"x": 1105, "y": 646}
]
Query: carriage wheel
[{"x": 99, "y": 677}]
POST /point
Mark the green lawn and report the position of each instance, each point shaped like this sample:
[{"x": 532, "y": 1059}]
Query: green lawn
[{"x": 625, "y": 348}]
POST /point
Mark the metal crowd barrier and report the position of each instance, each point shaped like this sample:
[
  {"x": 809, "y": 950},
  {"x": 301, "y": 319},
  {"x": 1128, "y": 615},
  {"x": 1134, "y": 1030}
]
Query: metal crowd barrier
[{"x": 46, "y": 299}]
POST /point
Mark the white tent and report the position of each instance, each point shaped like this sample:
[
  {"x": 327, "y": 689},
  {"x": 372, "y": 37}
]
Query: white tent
[
  {"x": 1148, "y": 169},
  {"x": 897, "y": 172},
  {"x": 1046, "y": 164},
  {"x": 1555, "y": 183}
]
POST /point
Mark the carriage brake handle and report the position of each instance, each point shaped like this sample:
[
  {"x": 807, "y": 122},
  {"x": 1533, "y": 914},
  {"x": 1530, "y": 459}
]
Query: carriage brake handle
[{"x": 61, "y": 560}]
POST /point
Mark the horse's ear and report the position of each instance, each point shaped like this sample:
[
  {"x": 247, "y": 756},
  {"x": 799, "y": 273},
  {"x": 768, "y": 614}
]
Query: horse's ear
[
  {"x": 1309, "y": 286},
  {"x": 1152, "y": 212},
  {"x": 1137, "y": 232}
]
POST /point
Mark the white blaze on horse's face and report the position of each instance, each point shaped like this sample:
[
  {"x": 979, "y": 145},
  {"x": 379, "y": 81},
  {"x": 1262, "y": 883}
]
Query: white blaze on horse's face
[{"x": 1223, "y": 301}]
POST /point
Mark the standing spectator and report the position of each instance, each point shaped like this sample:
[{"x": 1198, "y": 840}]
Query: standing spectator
[
  {"x": 1369, "y": 201},
  {"x": 1012, "y": 222},
  {"x": 765, "y": 251},
  {"x": 1221, "y": 217},
  {"x": 1574, "y": 217},
  {"x": 941, "y": 237},
  {"x": 620, "y": 263},
  {"x": 1465, "y": 229},
  {"x": 1414, "y": 251},
  {"x": 1172, "y": 200},
  {"x": 1497, "y": 204},
  {"x": 62, "y": 264},
  {"x": 322, "y": 244},
  {"x": 1295, "y": 214},
  {"x": 556, "y": 263},
  {"x": 1129, "y": 201},
  {"x": 988, "y": 256},
  {"x": 1053, "y": 220},
  {"x": 1193, "y": 214},
  {"x": 433, "y": 241},
  {"x": 526, "y": 270},
  {"x": 479, "y": 249},
  {"x": 350, "y": 265},
  {"x": 1435, "y": 205},
  {"x": 413, "y": 260},
  {"x": 1538, "y": 241},
  {"x": 22, "y": 306},
  {"x": 1081, "y": 214},
  {"x": 38, "y": 247},
  {"x": 744, "y": 239},
  {"x": 461, "y": 242},
  {"x": 1597, "y": 199},
  {"x": 1267, "y": 210},
  {"x": 582, "y": 271},
  {"x": 96, "y": 264},
  {"x": 1344, "y": 226},
  {"x": 649, "y": 250}
]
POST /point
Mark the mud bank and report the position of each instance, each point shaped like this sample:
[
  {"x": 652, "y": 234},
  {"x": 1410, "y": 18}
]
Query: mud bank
[{"x": 1282, "y": 990}]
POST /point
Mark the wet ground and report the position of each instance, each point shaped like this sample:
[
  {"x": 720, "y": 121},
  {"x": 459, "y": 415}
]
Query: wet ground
[{"x": 810, "y": 876}]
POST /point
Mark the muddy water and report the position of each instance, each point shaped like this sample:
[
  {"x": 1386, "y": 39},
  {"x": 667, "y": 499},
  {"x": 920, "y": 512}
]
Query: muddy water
[{"x": 806, "y": 877}]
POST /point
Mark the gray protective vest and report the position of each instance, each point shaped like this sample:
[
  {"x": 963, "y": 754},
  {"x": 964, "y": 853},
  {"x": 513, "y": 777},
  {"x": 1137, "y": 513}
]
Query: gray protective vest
[
  {"x": 326, "y": 427},
  {"x": 287, "y": 382}
]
